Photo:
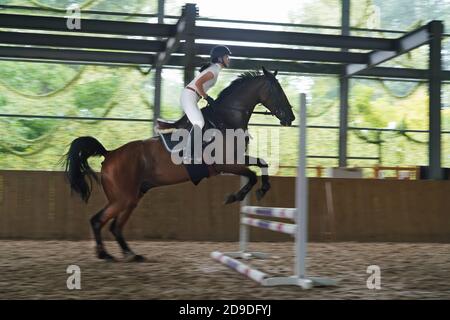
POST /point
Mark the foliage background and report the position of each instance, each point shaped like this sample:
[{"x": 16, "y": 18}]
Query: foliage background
[{"x": 95, "y": 91}]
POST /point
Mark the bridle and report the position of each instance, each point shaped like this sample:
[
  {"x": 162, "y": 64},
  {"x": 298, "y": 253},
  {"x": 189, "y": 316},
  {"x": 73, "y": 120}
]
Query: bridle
[
  {"x": 277, "y": 100},
  {"x": 248, "y": 112}
]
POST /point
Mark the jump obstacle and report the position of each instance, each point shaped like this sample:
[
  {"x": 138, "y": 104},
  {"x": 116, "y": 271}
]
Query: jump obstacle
[{"x": 298, "y": 229}]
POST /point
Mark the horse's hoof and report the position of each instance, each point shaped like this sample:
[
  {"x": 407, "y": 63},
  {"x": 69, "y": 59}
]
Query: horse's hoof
[
  {"x": 103, "y": 255},
  {"x": 139, "y": 258},
  {"x": 260, "y": 193},
  {"x": 134, "y": 258},
  {"x": 230, "y": 199}
]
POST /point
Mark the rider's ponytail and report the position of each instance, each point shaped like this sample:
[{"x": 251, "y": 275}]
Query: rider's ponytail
[{"x": 205, "y": 66}]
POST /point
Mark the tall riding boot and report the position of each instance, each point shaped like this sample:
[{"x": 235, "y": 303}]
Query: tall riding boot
[{"x": 193, "y": 152}]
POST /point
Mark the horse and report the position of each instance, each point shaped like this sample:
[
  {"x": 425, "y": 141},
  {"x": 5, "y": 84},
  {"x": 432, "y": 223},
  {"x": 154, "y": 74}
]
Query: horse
[{"x": 131, "y": 170}]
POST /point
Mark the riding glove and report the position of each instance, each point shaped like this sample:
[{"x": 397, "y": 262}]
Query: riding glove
[{"x": 210, "y": 100}]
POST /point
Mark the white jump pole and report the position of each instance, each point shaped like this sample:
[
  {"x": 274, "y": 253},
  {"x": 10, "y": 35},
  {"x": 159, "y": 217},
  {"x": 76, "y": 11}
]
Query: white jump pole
[
  {"x": 287, "y": 213},
  {"x": 287, "y": 228},
  {"x": 240, "y": 267}
]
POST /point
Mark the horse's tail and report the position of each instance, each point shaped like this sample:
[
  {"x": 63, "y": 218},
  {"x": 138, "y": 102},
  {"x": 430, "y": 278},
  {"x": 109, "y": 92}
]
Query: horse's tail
[{"x": 77, "y": 168}]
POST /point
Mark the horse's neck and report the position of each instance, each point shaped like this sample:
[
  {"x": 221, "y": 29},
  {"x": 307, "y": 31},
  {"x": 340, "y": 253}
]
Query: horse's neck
[
  {"x": 235, "y": 116},
  {"x": 238, "y": 107}
]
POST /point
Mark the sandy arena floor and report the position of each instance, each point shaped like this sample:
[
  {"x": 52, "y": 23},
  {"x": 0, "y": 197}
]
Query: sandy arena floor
[{"x": 184, "y": 270}]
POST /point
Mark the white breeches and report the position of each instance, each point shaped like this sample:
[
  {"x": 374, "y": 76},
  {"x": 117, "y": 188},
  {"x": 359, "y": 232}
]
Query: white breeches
[{"x": 189, "y": 101}]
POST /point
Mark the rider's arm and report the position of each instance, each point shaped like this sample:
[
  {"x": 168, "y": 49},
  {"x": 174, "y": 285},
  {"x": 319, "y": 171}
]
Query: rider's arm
[{"x": 200, "y": 81}]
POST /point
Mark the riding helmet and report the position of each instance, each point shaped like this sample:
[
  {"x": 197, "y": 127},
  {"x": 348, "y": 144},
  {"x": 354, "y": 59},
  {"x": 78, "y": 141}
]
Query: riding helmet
[{"x": 218, "y": 52}]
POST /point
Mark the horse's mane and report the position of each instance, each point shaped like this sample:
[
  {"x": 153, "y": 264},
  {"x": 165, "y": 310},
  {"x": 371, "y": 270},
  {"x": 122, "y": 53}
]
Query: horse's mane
[{"x": 243, "y": 77}]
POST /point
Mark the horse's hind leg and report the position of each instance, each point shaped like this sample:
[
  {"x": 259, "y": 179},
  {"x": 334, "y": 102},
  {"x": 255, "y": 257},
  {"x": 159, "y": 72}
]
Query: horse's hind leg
[
  {"x": 116, "y": 229},
  {"x": 262, "y": 164},
  {"x": 241, "y": 170},
  {"x": 97, "y": 223}
]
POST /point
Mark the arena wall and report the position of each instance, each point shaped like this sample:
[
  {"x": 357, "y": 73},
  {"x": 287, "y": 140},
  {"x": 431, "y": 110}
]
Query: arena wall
[{"x": 39, "y": 205}]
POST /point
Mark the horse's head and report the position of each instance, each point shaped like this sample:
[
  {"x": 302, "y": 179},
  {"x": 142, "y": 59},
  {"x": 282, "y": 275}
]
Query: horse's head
[{"x": 274, "y": 99}]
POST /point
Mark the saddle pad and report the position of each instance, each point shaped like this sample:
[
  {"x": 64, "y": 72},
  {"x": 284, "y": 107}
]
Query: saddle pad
[
  {"x": 197, "y": 172},
  {"x": 169, "y": 144}
]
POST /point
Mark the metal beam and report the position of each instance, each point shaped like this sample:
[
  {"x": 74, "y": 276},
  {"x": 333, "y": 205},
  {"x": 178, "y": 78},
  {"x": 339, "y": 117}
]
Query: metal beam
[
  {"x": 173, "y": 43},
  {"x": 18, "y": 21},
  {"x": 69, "y": 41},
  {"x": 323, "y": 68},
  {"x": 404, "y": 44},
  {"x": 63, "y": 11},
  {"x": 80, "y": 42},
  {"x": 284, "y": 66},
  {"x": 21, "y": 53},
  {"x": 434, "y": 91},
  {"x": 286, "y": 54},
  {"x": 294, "y": 38},
  {"x": 72, "y": 57},
  {"x": 399, "y": 73},
  {"x": 136, "y": 59},
  {"x": 165, "y": 30}
]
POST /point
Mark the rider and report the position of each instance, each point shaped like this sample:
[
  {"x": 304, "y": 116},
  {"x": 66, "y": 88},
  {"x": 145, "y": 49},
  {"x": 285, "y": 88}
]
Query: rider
[
  {"x": 197, "y": 89},
  {"x": 205, "y": 80}
]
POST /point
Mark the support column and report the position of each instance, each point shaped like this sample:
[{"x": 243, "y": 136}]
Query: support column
[
  {"x": 190, "y": 12},
  {"x": 343, "y": 92},
  {"x": 158, "y": 73},
  {"x": 434, "y": 91}
]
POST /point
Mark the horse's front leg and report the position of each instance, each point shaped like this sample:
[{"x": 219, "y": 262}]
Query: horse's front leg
[
  {"x": 242, "y": 170},
  {"x": 262, "y": 164}
]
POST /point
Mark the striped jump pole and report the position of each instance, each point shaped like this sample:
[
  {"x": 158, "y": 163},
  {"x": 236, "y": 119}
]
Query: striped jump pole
[
  {"x": 270, "y": 225},
  {"x": 259, "y": 276},
  {"x": 238, "y": 266},
  {"x": 288, "y": 213}
]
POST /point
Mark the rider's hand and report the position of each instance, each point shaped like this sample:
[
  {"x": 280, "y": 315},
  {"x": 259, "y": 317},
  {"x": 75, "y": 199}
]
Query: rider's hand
[{"x": 210, "y": 100}]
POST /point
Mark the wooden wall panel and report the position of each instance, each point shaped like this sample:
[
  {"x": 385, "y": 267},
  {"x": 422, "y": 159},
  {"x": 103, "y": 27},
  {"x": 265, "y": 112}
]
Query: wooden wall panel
[{"x": 39, "y": 205}]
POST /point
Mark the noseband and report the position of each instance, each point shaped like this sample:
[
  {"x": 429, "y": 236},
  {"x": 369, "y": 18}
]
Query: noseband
[{"x": 277, "y": 98}]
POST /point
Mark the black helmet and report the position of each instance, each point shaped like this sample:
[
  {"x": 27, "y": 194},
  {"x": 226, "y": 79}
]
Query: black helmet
[{"x": 218, "y": 52}]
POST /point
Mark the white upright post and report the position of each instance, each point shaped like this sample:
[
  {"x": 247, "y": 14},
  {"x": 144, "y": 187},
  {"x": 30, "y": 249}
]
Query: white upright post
[
  {"x": 243, "y": 228},
  {"x": 301, "y": 195}
]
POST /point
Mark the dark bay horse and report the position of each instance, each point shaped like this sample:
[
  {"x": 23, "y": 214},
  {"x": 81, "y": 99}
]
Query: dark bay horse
[{"x": 128, "y": 172}]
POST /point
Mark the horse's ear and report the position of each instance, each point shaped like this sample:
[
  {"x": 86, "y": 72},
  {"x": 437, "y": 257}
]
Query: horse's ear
[
  {"x": 265, "y": 71},
  {"x": 275, "y": 73}
]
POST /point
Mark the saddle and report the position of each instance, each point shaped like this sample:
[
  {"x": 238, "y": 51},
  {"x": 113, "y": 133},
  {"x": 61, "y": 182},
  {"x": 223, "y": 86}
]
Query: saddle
[
  {"x": 197, "y": 170},
  {"x": 166, "y": 128}
]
